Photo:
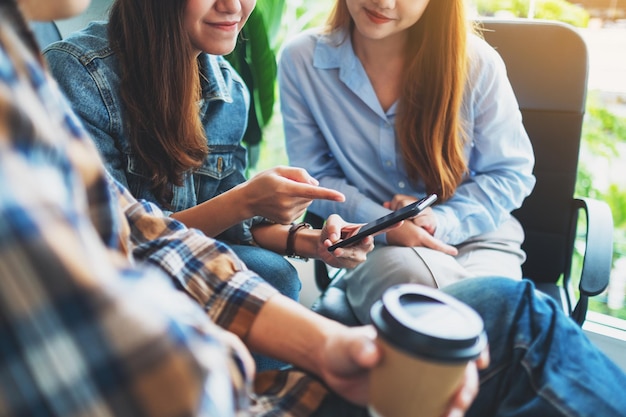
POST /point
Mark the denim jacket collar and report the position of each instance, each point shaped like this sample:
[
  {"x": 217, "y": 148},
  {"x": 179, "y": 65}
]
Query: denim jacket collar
[{"x": 213, "y": 85}]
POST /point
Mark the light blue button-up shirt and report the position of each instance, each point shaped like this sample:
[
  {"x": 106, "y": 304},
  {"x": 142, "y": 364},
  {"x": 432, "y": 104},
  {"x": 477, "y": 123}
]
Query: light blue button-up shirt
[{"x": 336, "y": 128}]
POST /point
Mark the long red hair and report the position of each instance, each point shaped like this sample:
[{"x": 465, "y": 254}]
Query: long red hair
[{"x": 429, "y": 128}]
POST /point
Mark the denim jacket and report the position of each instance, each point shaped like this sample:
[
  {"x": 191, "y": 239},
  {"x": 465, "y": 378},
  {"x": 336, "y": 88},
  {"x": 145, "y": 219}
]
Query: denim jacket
[{"x": 88, "y": 72}]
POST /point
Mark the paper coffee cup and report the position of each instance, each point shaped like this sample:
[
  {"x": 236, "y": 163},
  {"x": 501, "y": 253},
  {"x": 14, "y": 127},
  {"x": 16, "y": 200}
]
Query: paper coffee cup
[{"x": 427, "y": 338}]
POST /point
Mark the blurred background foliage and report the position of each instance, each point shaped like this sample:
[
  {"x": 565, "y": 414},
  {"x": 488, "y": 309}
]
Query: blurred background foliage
[{"x": 560, "y": 10}]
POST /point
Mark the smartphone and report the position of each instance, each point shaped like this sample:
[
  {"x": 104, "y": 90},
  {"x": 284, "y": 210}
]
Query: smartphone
[{"x": 382, "y": 223}]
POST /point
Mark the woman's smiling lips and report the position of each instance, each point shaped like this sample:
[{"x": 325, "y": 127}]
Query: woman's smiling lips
[
  {"x": 377, "y": 17},
  {"x": 227, "y": 26}
]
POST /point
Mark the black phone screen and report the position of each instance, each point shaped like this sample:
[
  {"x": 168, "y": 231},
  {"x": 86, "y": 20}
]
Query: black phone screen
[{"x": 381, "y": 223}]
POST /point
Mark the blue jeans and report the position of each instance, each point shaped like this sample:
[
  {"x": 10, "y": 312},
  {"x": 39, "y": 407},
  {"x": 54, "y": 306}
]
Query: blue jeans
[
  {"x": 277, "y": 271},
  {"x": 272, "y": 267},
  {"x": 542, "y": 364}
]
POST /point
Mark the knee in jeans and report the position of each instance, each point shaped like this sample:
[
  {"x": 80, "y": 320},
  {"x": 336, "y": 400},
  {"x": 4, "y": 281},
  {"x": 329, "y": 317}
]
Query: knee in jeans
[{"x": 489, "y": 292}]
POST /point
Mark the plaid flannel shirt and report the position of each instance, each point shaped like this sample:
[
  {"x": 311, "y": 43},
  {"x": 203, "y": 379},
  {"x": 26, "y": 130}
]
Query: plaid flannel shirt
[{"x": 96, "y": 288}]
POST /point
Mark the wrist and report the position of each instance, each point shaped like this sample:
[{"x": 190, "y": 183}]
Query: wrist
[
  {"x": 293, "y": 246},
  {"x": 239, "y": 200},
  {"x": 323, "y": 347}
]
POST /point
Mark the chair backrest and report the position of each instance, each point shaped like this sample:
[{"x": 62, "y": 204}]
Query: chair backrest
[
  {"x": 45, "y": 33},
  {"x": 547, "y": 65}
]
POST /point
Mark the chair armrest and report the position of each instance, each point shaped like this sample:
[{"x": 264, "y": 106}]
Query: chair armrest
[{"x": 598, "y": 257}]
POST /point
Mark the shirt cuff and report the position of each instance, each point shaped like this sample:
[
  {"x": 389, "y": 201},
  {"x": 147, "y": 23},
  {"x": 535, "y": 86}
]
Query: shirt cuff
[{"x": 447, "y": 224}]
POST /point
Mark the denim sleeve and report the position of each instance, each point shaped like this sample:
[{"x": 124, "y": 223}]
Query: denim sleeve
[{"x": 90, "y": 87}]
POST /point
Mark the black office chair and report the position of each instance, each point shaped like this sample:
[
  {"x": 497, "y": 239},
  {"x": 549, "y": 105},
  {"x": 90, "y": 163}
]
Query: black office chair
[{"x": 547, "y": 66}]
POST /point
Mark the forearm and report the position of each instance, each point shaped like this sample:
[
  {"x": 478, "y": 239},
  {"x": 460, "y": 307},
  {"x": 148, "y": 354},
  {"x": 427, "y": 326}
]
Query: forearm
[
  {"x": 298, "y": 335},
  {"x": 478, "y": 207},
  {"x": 274, "y": 237},
  {"x": 229, "y": 293},
  {"x": 216, "y": 215}
]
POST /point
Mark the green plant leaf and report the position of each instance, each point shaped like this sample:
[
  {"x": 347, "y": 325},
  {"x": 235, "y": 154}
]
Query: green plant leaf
[
  {"x": 255, "y": 60},
  {"x": 272, "y": 12},
  {"x": 262, "y": 62}
]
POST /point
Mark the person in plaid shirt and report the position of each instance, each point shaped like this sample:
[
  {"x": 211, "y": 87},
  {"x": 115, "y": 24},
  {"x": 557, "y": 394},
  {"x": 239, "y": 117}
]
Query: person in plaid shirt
[
  {"x": 92, "y": 323},
  {"x": 110, "y": 308}
]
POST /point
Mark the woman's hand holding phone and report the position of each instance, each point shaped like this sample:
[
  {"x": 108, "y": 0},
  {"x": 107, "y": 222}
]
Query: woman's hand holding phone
[
  {"x": 419, "y": 232},
  {"x": 348, "y": 257},
  {"x": 383, "y": 223}
]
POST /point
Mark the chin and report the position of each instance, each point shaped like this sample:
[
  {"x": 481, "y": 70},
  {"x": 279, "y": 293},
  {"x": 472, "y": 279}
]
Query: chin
[
  {"x": 70, "y": 8},
  {"x": 223, "y": 48},
  {"x": 54, "y": 10}
]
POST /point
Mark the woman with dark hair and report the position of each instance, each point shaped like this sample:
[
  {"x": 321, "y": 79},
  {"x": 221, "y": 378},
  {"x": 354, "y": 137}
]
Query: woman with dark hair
[
  {"x": 395, "y": 100},
  {"x": 167, "y": 113}
]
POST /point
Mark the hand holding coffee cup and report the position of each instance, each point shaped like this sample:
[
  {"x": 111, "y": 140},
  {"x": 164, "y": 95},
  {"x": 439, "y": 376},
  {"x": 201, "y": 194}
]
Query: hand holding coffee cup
[{"x": 427, "y": 338}]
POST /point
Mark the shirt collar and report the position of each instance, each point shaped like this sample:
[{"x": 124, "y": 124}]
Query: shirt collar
[
  {"x": 212, "y": 80},
  {"x": 334, "y": 51}
]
